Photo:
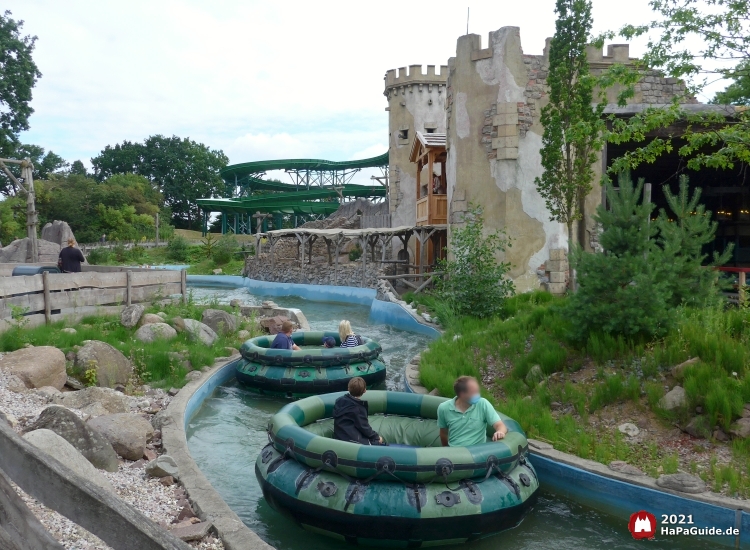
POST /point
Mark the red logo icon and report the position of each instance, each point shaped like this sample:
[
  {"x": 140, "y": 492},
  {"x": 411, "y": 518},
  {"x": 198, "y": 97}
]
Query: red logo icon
[{"x": 642, "y": 525}]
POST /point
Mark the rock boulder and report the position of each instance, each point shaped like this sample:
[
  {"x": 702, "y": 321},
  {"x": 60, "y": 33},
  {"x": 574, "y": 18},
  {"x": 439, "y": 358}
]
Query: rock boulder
[
  {"x": 674, "y": 399},
  {"x": 18, "y": 251},
  {"x": 272, "y": 325},
  {"x": 698, "y": 427},
  {"x": 94, "y": 401},
  {"x": 57, "y": 232},
  {"x": 131, "y": 315},
  {"x": 163, "y": 466},
  {"x": 220, "y": 321},
  {"x": 198, "y": 331},
  {"x": 127, "y": 433},
  {"x": 37, "y": 367},
  {"x": 685, "y": 483},
  {"x": 59, "y": 449},
  {"x": 149, "y": 318},
  {"x": 741, "y": 428},
  {"x": 155, "y": 331},
  {"x": 90, "y": 443},
  {"x": 111, "y": 366}
]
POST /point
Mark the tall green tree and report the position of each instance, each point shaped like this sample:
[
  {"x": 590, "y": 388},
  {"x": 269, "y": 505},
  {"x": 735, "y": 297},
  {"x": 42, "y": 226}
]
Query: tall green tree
[
  {"x": 683, "y": 234},
  {"x": 183, "y": 170},
  {"x": 18, "y": 75},
  {"x": 738, "y": 92},
  {"x": 699, "y": 41},
  {"x": 620, "y": 291},
  {"x": 45, "y": 163},
  {"x": 573, "y": 126}
]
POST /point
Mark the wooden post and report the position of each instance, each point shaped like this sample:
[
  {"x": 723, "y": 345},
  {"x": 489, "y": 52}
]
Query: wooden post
[
  {"x": 742, "y": 288},
  {"x": 183, "y": 285},
  {"x": 364, "y": 260},
  {"x": 47, "y": 305},
  {"x": 339, "y": 240},
  {"x": 128, "y": 287}
]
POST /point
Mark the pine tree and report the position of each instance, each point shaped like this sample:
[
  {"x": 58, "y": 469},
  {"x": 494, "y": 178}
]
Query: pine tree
[
  {"x": 682, "y": 241},
  {"x": 622, "y": 290},
  {"x": 572, "y": 125}
]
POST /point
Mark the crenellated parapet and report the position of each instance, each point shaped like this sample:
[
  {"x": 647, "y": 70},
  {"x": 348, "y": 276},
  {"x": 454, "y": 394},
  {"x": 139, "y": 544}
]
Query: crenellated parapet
[{"x": 400, "y": 81}]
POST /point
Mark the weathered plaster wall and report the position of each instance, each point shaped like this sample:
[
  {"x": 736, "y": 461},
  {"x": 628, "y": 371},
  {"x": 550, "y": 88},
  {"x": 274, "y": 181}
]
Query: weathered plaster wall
[
  {"x": 416, "y": 103},
  {"x": 494, "y": 138}
]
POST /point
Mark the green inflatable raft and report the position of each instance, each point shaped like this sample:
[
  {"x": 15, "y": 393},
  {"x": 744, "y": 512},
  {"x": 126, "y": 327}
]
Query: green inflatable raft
[
  {"x": 311, "y": 370},
  {"x": 410, "y": 493}
]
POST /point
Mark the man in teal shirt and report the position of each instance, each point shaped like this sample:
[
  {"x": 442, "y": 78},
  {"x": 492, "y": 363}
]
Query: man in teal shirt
[{"x": 464, "y": 419}]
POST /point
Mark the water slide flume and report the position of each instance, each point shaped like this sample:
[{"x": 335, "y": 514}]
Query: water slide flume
[
  {"x": 416, "y": 493},
  {"x": 311, "y": 370}
]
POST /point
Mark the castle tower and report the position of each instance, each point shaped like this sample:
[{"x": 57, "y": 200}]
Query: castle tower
[{"x": 416, "y": 103}]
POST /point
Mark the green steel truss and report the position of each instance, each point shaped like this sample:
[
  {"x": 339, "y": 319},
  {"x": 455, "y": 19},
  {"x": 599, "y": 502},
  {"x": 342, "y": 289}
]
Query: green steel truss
[{"x": 317, "y": 189}]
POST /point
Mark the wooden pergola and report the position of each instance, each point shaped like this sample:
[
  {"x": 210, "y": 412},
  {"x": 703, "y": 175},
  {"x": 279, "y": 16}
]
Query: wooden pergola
[{"x": 369, "y": 240}]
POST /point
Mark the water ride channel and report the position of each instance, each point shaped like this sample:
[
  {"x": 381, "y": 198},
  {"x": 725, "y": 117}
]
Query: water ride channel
[{"x": 229, "y": 433}]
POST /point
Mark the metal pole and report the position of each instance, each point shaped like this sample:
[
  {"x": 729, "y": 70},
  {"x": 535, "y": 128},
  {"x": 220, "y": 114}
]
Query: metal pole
[{"x": 157, "y": 229}]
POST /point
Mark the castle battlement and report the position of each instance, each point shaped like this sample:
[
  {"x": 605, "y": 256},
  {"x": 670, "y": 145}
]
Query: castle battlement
[
  {"x": 415, "y": 76},
  {"x": 616, "y": 53}
]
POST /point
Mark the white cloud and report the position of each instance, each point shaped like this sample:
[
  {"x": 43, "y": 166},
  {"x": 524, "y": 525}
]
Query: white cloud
[{"x": 256, "y": 79}]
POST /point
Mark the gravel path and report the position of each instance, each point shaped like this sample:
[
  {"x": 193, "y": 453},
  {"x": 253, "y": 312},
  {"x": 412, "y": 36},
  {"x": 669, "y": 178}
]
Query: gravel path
[{"x": 147, "y": 495}]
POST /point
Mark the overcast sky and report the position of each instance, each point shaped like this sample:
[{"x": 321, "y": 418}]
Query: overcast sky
[{"x": 258, "y": 80}]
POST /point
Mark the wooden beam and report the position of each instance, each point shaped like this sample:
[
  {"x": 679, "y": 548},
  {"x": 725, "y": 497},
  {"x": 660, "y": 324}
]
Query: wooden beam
[
  {"x": 128, "y": 287},
  {"x": 19, "y": 528},
  {"x": 47, "y": 308}
]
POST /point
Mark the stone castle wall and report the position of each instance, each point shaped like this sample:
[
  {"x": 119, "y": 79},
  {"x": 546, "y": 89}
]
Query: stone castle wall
[{"x": 416, "y": 103}]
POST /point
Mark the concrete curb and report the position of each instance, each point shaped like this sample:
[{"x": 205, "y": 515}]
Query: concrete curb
[
  {"x": 208, "y": 503},
  {"x": 539, "y": 448}
]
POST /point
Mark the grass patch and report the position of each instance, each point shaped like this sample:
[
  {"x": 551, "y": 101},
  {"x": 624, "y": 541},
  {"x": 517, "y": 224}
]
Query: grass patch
[
  {"x": 533, "y": 330},
  {"x": 152, "y": 362}
]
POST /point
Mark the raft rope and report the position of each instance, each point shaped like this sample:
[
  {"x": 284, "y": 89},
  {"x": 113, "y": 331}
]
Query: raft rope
[{"x": 445, "y": 465}]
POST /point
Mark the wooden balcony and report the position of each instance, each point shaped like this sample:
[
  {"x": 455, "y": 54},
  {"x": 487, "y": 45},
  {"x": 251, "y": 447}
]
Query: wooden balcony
[{"x": 432, "y": 210}]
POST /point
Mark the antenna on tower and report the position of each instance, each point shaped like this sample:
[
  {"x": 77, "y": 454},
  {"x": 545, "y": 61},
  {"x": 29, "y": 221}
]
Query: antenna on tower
[{"x": 467, "y": 19}]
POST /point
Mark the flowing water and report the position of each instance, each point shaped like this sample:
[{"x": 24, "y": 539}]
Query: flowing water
[{"x": 227, "y": 433}]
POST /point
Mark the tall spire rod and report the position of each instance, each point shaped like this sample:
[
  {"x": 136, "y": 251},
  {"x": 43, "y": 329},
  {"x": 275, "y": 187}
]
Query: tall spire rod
[{"x": 467, "y": 19}]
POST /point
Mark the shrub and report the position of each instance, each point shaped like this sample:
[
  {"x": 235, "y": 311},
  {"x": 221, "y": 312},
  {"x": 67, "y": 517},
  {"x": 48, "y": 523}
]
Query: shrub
[
  {"x": 620, "y": 290},
  {"x": 224, "y": 249},
  {"x": 474, "y": 281},
  {"x": 355, "y": 253},
  {"x": 137, "y": 254},
  {"x": 647, "y": 269},
  {"x": 99, "y": 256},
  {"x": 178, "y": 249}
]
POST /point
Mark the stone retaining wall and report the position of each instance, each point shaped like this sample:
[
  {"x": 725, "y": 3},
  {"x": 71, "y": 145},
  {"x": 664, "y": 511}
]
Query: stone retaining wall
[
  {"x": 207, "y": 502},
  {"x": 318, "y": 273}
]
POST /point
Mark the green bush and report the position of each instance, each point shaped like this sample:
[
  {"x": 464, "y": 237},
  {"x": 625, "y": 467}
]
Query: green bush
[
  {"x": 647, "y": 268},
  {"x": 474, "y": 281},
  {"x": 99, "y": 256},
  {"x": 178, "y": 249},
  {"x": 355, "y": 253},
  {"x": 137, "y": 254},
  {"x": 225, "y": 249},
  {"x": 620, "y": 290}
]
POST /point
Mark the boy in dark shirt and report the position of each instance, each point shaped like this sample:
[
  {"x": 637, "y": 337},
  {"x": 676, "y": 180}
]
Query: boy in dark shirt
[{"x": 350, "y": 421}]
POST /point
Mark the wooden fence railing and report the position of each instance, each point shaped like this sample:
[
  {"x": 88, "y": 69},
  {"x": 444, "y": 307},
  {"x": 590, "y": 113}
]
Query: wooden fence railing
[{"x": 49, "y": 297}]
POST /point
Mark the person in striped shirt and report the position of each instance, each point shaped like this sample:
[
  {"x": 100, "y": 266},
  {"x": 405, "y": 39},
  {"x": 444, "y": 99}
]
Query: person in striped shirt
[{"x": 348, "y": 338}]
